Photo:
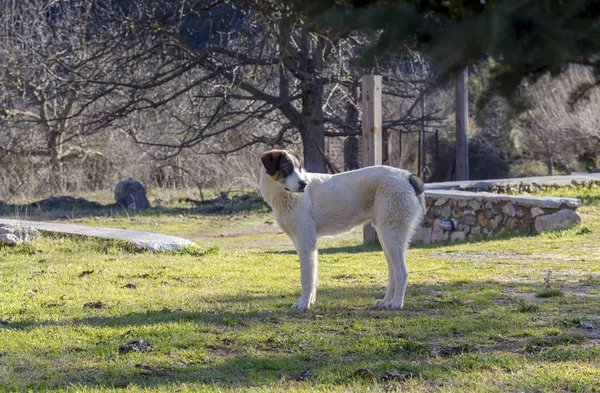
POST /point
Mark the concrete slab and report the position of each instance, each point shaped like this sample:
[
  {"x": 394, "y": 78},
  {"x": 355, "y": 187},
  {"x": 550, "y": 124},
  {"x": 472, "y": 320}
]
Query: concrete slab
[
  {"x": 544, "y": 202},
  {"x": 150, "y": 241},
  {"x": 483, "y": 185}
]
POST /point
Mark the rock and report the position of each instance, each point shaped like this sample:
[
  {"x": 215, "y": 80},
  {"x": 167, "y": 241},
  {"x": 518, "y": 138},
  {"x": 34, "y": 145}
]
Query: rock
[
  {"x": 462, "y": 203},
  {"x": 464, "y": 228},
  {"x": 563, "y": 219},
  {"x": 489, "y": 205},
  {"x": 131, "y": 194},
  {"x": 458, "y": 213},
  {"x": 513, "y": 224},
  {"x": 469, "y": 220},
  {"x": 13, "y": 236},
  {"x": 440, "y": 201},
  {"x": 457, "y": 236},
  {"x": 26, "y": 233},
  {"x": 446, "y": 211},
  {"x": 6, "y": 230},
  {"x": 509, "y": 209},
  {"x": 475, "y": 205},
  {"x": 476, "y": 231},
  {"x": 426, "y": 235},
  {"x": 494, "y": 222},
  {"x": 587, "y": 325},
  {"x": 437, "y": 232},
  {"x": 481, "y": 219},
  {"x": 536, "y": 211},
  {"x": 9, "y": 239}
]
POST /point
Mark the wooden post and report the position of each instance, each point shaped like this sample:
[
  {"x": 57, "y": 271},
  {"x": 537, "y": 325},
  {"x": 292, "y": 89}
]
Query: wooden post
[
  {"x": 371, "y": 133},
  {"x": 462, "y": 126}
]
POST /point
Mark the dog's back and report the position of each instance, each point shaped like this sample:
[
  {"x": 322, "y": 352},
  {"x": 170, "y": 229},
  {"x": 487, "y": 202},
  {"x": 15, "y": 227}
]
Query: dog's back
[{"x": 343, "y": 201}]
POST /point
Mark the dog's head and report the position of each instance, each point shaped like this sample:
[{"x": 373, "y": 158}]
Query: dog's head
[{"x": 285, "y": 167}]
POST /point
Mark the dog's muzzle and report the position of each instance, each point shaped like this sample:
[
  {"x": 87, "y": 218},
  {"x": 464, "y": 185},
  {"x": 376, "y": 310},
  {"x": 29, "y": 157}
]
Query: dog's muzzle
[{"x": 301, "y": 186}]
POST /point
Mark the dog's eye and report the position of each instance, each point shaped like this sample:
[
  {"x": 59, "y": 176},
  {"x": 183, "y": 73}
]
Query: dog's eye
[{"x": 287, "y": 170}]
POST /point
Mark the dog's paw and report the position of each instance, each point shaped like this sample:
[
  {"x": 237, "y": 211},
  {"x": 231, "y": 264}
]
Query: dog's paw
[
  {"x": 301, "y": 306},
  {"x": 381, "y": 303},
  {"x": 389, "y": 305}
]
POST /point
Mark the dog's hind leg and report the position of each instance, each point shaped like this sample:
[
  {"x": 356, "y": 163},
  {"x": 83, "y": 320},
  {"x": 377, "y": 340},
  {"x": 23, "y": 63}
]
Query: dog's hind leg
[
  {"x": 389, "y": 292},
  {"x": 306, "y": 246},
  {"x": 394, "y": 246}
]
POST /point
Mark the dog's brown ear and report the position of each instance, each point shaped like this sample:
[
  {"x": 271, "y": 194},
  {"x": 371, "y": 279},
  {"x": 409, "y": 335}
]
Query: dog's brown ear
[
  {"x": 294, "y": 152},
  {"x": 270, "y": 161}
]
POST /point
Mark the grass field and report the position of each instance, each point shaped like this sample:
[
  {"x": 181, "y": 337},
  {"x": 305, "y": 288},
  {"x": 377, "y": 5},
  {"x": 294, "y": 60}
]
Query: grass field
[{"x": 495, "y": 316}]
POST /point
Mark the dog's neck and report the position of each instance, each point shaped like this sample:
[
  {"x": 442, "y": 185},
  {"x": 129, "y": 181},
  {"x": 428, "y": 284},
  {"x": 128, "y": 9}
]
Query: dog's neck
[{"x": 273, "y": 192}]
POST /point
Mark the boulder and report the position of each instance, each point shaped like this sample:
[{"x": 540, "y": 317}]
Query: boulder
[
  {"x": 131, "y": 194},
  {"x": 9, "y": 239},
  {"x": 457, "y": 236},
  {"x": 563, "y": 219},
  {"x": 13, "y": 236}
]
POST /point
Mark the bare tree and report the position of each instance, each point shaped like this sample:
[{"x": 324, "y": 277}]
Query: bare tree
[
  {"x": 37, "y": 105},
  {"x": 553, "y": 130}
]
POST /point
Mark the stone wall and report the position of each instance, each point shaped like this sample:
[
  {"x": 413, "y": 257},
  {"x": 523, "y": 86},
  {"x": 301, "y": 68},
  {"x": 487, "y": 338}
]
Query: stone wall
[{"x": 459, "y": 215}]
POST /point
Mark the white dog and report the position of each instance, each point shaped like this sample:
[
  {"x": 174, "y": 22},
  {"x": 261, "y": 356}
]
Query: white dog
[{"x": 310, "y": 205}]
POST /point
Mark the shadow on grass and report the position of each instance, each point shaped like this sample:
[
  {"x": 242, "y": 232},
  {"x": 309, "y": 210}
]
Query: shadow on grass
[
  {"x": 70, "y": 208},
  {"x": 375, "y": 247},
  {"x": 288, "y": 347}
]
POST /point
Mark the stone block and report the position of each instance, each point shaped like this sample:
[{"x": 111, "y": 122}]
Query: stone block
[
  {"x": 426, "y": 235},
  {"x": 475, "y": 205},
  {"x": 457, "y": 236},
  {"x": 481, "y": 219},
  {"x": 509, "y": 209},
  {"x": 446, "y": 212},
  {"x": 440, "y": 201},
  {"x": 469, "y": 220},
  {"x": 494, "y": 222},
  {"x": 513, "y": 224},
  {"x": 563, "y": 219},
  {"x": 536, "y": 211}
]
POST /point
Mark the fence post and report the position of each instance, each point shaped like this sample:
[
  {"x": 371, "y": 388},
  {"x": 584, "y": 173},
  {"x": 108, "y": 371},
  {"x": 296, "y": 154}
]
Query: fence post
[{"x": 371, "y": 134}]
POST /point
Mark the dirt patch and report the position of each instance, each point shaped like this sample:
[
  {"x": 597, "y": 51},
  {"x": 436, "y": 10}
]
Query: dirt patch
[
  {"x": 477, "y": 256},
  {"x": 136, "y": 346}
]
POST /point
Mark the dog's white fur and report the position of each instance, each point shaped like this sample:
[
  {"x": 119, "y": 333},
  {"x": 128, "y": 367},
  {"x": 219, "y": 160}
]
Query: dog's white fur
[{"x": 333, "y": 204}]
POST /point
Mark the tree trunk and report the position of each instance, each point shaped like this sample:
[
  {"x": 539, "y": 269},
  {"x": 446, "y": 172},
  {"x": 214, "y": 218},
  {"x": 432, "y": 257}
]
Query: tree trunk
[
  {"x": 462, "y": 118},
  {"x": 54, "y": 147},
  {"x": 312, "y": 131},
  {"x": 549, "y": 163}
]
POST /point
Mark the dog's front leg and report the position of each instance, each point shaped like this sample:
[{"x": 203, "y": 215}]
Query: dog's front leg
[{"x": 306, "y": 246}]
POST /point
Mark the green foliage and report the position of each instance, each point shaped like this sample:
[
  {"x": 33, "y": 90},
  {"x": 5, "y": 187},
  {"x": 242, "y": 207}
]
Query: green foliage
[
  {"x": 550, "y": 292},
  {"x": 527, "y": 168},
  {"x": 527, "y": 37}
]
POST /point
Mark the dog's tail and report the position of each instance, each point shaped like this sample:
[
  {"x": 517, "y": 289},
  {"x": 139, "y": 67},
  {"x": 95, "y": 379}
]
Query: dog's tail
[{"x": 416, "y": 182}]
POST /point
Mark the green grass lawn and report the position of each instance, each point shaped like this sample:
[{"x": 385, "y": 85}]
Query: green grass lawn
[{"x": 502, "y": 315}]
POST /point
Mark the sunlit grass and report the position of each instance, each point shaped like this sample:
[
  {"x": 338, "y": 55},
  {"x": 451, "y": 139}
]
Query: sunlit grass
[{"x": 220, "y": 320}]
